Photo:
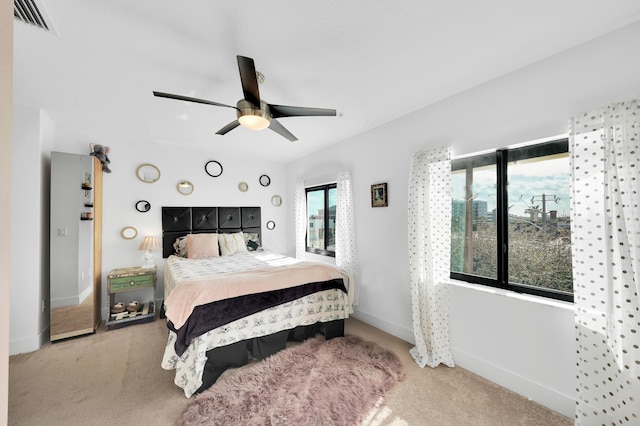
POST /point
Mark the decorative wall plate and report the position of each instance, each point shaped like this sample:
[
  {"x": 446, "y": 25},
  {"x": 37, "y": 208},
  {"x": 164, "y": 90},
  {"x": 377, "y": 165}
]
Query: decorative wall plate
[
  {"x": 243, "y": 186},
  {"x": 270, "y": 225},
  {"x": 276, "y": 200}
]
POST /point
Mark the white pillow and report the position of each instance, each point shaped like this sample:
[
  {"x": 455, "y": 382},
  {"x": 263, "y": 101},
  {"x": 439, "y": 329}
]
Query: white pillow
[{"x": 231, "y": 243}]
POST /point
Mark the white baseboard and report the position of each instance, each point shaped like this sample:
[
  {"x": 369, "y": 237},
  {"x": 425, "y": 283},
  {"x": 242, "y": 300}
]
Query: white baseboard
[
  {"x": 533, "y": 391},
  {"x": 28, "y": 344},
  {"x": 394, "y": 329}
]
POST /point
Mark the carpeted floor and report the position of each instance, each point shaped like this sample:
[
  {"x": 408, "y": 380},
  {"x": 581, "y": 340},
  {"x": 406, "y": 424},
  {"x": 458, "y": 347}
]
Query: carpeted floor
[{"x": 114, "y": 377}]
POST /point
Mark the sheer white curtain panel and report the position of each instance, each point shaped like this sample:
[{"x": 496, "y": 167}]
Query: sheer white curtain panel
[
  {"x": 604, "y": 146},
  {"x": 301, "y": 219},
  {"x": 346, "y": 249},
  {"x": 429, "y": 255}
]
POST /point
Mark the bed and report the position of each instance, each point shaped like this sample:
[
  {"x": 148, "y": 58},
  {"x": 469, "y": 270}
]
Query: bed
[{"x": 227, "y": 299}]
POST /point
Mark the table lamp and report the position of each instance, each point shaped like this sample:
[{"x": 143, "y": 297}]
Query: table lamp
[{"x": 149, "y": 244}]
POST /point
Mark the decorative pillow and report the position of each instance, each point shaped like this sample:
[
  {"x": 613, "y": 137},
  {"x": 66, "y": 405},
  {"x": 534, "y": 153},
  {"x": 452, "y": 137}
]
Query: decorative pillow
[
  {"x": 180, "y": 246},
  {"x": 252, "y": 240},
  {"x": 231, "y": 243},
  {"x": 202, "y": 246}
]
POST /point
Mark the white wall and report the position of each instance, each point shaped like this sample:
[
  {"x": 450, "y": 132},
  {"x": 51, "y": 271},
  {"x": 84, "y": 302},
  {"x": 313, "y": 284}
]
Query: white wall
[
  {"x": 520, "y": 342},
  {"x": 122, "y": 189},
  {"x": 29, "y": 231},
  {"x": 6, "y": 169}
]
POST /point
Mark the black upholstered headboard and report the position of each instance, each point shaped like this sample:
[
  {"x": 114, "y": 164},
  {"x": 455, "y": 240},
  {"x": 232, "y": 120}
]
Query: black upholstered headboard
[{"x": 180, "y": 221}]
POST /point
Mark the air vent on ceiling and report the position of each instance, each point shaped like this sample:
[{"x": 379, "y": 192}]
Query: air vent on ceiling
[{"x": 29, "y": 12}]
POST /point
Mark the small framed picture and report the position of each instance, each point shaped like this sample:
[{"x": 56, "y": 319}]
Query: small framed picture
[{"x": 379, "y": 195}]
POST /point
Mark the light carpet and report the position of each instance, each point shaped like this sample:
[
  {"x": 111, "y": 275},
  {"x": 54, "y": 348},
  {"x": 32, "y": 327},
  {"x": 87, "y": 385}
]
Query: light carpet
[{"x": 319, "y": 382}]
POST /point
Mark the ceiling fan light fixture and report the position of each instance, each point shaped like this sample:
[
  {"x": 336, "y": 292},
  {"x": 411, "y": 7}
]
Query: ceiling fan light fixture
[
  {"x": 253, "y": 118},
  {"x": 254, "y": 122}
]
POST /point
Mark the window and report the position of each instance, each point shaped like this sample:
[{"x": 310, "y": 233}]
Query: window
[
  {"x": 510, "y": 225},
  {"x": 321, "y": 219}
]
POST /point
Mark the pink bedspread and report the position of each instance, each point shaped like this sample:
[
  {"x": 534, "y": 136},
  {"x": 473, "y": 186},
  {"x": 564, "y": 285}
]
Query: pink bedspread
[{"x": 199, "y": 291}]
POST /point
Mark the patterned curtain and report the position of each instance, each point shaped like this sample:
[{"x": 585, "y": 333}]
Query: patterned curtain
[
  {"x": 346, "y": 250},
  {"x": 301, "y": 219},
  {"x": 429, "y": 255},
  {"x": 605, "y": 230}
]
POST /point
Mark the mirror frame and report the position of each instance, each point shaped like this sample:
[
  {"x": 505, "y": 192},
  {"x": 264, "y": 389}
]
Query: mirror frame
[
  {"x": 140, "y": 177},
  {"x": 209, "y": 172},
  {"x": 271, "y": 225},
  {"x": 127, "y": 231},
  {"x": 264, "y": 180},
  {"x": 143, "y": 206},
  {"x": 243, "y": 186},
  {"x": 276, "y": 200},
  {"x": 185, "y": 184}
]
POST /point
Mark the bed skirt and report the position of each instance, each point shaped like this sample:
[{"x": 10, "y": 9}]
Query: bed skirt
[{"x": 237, "y": 354}]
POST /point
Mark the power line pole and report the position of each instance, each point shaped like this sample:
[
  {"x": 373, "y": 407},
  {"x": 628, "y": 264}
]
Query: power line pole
[{"x": 544, "y": 198}]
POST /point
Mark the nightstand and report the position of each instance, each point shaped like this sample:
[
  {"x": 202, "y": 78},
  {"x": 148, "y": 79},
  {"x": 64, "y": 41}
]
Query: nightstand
[{"x": 122, "y": 281}]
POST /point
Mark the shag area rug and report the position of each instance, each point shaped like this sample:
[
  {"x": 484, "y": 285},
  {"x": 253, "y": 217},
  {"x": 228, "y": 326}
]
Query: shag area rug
[{"x": 318, "y": 382}]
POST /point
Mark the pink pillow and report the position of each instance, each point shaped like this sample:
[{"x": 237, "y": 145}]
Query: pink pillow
[{"x": 202, "y": 246}]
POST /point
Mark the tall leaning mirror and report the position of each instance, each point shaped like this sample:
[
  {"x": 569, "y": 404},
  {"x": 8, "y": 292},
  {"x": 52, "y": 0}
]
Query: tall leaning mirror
[
  {"x": 75, "y": 245},
  {"x": 148, "y": 173}
]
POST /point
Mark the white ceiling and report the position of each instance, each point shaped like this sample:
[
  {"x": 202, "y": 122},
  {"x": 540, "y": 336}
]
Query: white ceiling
[{"x": 371, "y": 60}]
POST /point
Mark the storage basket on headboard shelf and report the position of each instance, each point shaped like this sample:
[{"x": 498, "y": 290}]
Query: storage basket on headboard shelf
[{"x": 180, "y": 221}]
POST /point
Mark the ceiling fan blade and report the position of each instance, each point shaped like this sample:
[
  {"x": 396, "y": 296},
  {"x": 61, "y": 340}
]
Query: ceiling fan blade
[
  {"x": 249, "y": 80},
  {"x": 278, "y": 111},
  {"x": 281, "y": 130},
  {"x": 229, "y": 127},
  {"x": 188, "y": 99}
]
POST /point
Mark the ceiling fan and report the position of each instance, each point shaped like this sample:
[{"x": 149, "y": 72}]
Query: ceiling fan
[{"x": 253, "y": 112}]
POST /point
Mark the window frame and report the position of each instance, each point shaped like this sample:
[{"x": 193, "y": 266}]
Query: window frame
[
  {"x": 325, "y": 188},
  {"x": 501, "y": 158}
]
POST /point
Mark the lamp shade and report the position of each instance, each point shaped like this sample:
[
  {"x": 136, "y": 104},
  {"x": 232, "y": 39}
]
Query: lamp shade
[{"x": 149, "y": 243}]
